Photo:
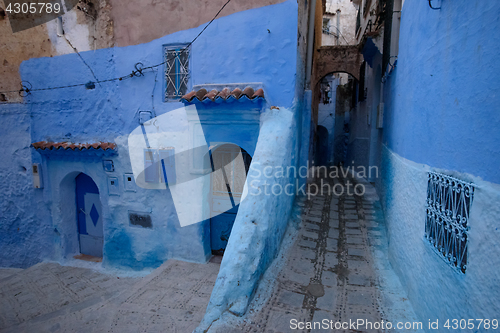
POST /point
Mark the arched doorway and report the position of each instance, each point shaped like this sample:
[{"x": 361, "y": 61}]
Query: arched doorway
[
  {"x": 322, "y": 146},
  {"x": 89, "y": 216},
  {"x": 229, "y": 164}
]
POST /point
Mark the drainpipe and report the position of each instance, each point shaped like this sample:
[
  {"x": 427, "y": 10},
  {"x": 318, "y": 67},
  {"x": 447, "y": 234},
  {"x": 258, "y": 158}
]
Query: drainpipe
[
  {"x": 310, "y": 43},
  {"x": 389, "y": 8},
  {"x": 338, "y": 25}
]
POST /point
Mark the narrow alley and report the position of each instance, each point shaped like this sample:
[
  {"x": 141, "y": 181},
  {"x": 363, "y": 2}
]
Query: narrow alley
[
  {"x": 337, "y": 269},
  {"x": 263, "y": 166}
]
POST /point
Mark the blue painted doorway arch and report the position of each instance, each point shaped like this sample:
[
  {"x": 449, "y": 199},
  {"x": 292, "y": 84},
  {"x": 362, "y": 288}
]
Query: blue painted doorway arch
[
  {"x": 89, "y": 216},
  {"x": 226, "y": 191}
]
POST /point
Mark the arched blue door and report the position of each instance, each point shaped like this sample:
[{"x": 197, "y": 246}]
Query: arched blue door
[
  {"x": 227, "y": 188},
  {"x": 89, "y": 210}
]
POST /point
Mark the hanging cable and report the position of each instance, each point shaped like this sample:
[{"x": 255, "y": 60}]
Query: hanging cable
[
  {"x": 329, "y": 33},
  {"x": 83, "y": 60},
  {"x": 26, "y": 88}
]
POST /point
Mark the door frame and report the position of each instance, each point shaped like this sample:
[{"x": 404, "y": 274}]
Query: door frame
[{"x": 213, "y": 146}]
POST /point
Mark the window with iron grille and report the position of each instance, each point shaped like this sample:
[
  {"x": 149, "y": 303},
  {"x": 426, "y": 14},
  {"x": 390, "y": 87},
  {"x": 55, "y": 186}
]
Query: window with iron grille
[
  {"x": 447, "y": 222},
  {"x": 176, "y": 71}
]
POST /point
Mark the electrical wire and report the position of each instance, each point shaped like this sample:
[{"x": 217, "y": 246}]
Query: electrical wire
[
  {"x": 83, "y": 60},
  {"x": 329, "y": 33},
  {"x": 25, "y": 90}
]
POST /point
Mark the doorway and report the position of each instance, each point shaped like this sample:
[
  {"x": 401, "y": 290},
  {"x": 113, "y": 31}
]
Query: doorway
[
  {"x": 230, "y": 165},
  {"x": 322, "y": 146},
  {"x": 89, "y": 215}
]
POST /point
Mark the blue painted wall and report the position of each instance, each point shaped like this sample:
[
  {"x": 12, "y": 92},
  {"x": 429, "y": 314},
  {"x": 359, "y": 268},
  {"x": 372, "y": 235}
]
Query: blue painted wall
[
  {"x": 258, "y": 45},
  {"x": 441, "y": 114},
  {"x": 442, "y": 101},
  {"x": 236, "y": 48},
  {"x": 23, "y": 237},
  {"x": 262, "y": 217}
]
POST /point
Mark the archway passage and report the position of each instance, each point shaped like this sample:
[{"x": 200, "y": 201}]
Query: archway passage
[
  {"x": 230, "y": 165},
  {"x": 333, "y": 59},
  {"x": 89, "y": 212}
]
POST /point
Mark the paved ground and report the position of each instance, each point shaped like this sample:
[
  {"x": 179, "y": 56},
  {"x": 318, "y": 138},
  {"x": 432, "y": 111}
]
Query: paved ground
[
  {"x": 52, "y": 298},
  {"x": 336, "y": 269}
]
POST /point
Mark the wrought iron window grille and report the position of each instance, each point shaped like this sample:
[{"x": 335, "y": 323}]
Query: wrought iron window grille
[
  {"x": 447, "y": 220},
  {"x": 176, "y": 71}
]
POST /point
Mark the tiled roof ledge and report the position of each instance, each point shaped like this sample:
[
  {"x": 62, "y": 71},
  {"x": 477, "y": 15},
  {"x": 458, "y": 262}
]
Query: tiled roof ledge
[
  {"x": 229, "y": 92},
  {"x": 231, "y": 86},
  {"x": 75, "y": 150}
]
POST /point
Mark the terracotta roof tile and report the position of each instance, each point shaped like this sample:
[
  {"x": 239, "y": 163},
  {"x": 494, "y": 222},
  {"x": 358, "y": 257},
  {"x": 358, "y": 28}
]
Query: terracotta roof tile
[
  {"x": 48, "y": 145},
  {"x": 248, "y": 92},
  {"x": 258, "y": 93},
  {"x": 212, "y": 95},
  {"x": 202, "y": 95},
  {"x": 236, "y": 93},
  {"x": 224, "y": 94}
]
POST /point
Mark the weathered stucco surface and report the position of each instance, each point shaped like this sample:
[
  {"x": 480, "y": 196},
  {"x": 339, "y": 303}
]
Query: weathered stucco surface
[
  {"x": 441, "y": 114},
  {"x": 24, "y": 236},
  {"x": 442, "y": 98},
  {"x": 83, "y": 31},
  {"x": 347, "y": 22},
  {"x": 14, "y": 49},
  {"x": 110, "y": 113},
  {"x": 261, "y": 221},
  {"x": 435, "y": 289},
  {"x": 143, "y": 21},
  {"x": 331, "y": 59},
  {"x": 96, "y": 24}
]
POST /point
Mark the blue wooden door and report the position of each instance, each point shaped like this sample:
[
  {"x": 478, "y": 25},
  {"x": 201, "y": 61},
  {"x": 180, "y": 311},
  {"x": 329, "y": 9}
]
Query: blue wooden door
[
  {"x": 227, "y": 188},
  {"x": 89, "y": 210}
]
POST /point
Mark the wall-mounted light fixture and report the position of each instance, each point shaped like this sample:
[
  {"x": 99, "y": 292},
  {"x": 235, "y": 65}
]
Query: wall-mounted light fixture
[
  {"x": 144, "y": 116},
  {"x": 37, "y": 176},
  {"x": 60, "y": 29}
]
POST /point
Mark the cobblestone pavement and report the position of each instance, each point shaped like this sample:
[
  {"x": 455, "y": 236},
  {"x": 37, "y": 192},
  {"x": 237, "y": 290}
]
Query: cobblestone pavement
[
  {"x": 52, "y": 298},
  {"x": 337, "y": 269}
]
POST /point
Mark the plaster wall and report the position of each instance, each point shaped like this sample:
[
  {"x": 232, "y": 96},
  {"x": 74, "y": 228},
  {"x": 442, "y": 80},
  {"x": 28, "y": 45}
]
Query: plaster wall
[
  {"x": 442, "y": 99},
  {"x": 23, "y": 237},
  {"x": 364, "y": 139},
  {"x": 347, "y": 23},
  {"x": 111, "y": 111},
  {"x": 303, "y": 114},
  {"x": 97, "y": 24},
  {"x": 441, "y": 105},
  {"x": 436, "y": 290},
  {"x": 262, "y": 218},
  {"x": 142, "y": 21},
  {"x": 84, "y": 32}
]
